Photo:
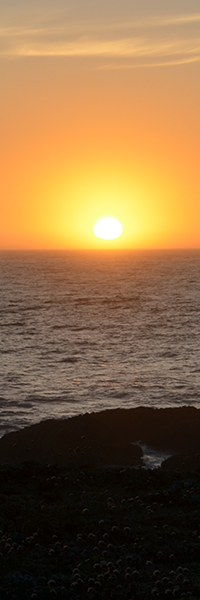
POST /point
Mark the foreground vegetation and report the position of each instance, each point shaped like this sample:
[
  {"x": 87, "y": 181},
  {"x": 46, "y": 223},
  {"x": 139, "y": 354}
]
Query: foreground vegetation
[{"x": 84, "y": 533}]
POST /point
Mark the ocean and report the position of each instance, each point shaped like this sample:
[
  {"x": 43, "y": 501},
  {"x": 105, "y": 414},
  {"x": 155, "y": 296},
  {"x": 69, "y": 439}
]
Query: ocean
[{"x": 87, "y": 331}]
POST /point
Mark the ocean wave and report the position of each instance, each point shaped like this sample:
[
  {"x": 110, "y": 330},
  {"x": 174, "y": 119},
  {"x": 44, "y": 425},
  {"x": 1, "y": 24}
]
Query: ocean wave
[
  {"x": 50, "y": 399},
  {"x": 121, "y": 299},
  {"x": 8, "y": 351},
  {"x": 14, "y": 324},
  {"x": 167, "y": 354},
  {"x": 69, "y": 359},
  {"x": 65, "y": 326},
  {"x": 83, "y": 300}
]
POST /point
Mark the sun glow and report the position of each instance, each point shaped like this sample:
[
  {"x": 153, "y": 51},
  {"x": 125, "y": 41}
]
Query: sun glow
[{"x": 108, "y": 229}]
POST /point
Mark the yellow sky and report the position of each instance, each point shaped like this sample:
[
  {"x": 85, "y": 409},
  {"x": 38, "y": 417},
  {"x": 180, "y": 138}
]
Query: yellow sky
[{"x": 100, "y": 117}]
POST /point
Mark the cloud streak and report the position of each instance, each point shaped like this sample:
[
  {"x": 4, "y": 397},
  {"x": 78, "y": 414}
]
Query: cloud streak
[
  {"x": 90, "y": 40},
  {"x": 150, "y": 65},
  {"x": 129, "y": 48}
]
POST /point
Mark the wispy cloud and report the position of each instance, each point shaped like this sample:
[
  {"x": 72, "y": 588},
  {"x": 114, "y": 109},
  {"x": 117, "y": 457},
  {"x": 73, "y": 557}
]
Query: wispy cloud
[
  {"x": 130, "y": 48},
  {"x": 157, "y": 22},
  {"x": 91, "y": 26},
  {"x": 150, "y": 65},
  {"x": 92, "y": 40},
  {"x": 177, "y": 19}
]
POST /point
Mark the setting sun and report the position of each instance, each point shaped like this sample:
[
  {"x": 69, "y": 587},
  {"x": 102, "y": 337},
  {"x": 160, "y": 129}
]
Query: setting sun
[
  {"x": 108, "y": 228},
  {"x": 99, "y": 119}
]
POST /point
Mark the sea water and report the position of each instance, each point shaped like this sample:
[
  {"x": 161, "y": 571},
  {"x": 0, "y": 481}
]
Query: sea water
[{"x": 90, "y": 331}]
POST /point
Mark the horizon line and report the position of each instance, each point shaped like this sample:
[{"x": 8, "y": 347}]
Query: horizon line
[{"x": 148, "y": 249}]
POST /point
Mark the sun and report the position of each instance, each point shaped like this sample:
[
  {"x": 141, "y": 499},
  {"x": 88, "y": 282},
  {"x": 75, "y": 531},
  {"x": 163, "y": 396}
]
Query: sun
[{"x": 108, "y": 228}]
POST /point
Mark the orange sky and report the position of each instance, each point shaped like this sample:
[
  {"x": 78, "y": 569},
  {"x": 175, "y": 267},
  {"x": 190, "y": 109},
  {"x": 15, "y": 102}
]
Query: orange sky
[{"x": 100, "y": 117}]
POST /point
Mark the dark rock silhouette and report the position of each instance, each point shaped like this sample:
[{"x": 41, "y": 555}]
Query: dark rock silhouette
[{"x": 107, "y": 437}]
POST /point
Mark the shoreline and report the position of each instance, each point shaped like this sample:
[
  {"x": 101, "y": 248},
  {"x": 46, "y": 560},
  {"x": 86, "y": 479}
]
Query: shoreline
[{"x": 111, "y": 437}]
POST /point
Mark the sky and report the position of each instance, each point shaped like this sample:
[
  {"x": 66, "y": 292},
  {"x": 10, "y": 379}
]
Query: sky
[{"x": 99, "y": 117}]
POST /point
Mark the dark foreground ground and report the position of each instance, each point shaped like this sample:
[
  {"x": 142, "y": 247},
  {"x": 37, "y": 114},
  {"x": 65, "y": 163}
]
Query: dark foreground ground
[{"x": 74, "y": 533}]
